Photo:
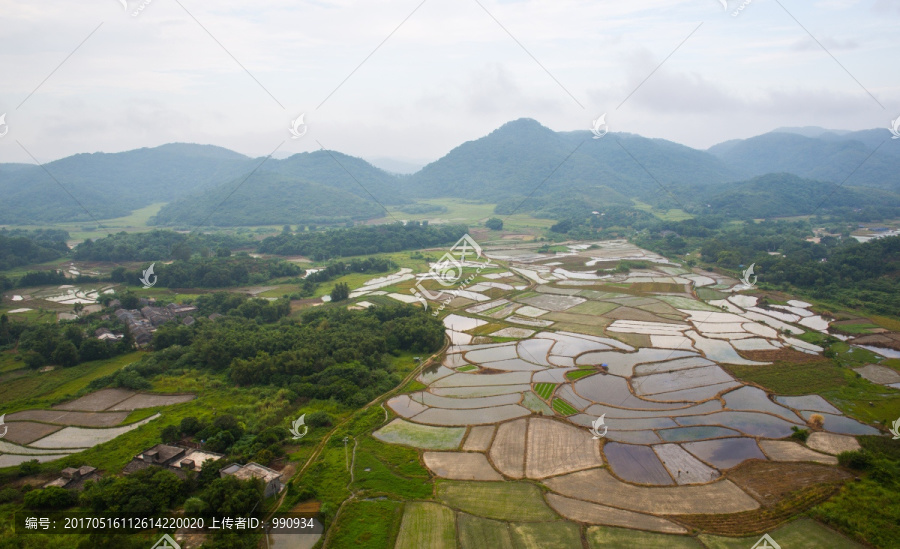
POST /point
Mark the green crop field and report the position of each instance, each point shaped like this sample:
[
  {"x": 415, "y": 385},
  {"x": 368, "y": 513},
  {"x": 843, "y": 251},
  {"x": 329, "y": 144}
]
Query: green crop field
[
  {"x": 544, "y": 390},
  {"x": 496, "y": 500},
  {"x": 427, "y": 524},
  {"x": 367, "y": 524},
  {"x": 623, "y": 538},
  {"x": 479, "y": 533},
  {"x": 563, "y": 407}
]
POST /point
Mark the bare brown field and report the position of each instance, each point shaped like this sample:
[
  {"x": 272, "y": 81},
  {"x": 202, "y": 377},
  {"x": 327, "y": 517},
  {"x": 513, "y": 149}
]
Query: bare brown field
[
  {"x": 83, "y": 419},
  {"x": 26, "y": 432}
]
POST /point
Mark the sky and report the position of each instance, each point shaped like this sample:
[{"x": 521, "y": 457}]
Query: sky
[{"x": 410, "y": 80}]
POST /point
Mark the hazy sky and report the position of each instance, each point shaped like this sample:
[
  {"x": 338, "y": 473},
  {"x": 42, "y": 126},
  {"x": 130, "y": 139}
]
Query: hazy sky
[{"x": 452, "y": 72}]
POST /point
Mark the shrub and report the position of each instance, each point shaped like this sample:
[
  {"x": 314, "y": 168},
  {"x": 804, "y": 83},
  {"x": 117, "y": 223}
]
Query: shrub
[
  {"x": 494, "y": 224},
  {"x": 859, "y": 460},
  {"x": 799, "y": 434},
  {"x": 816, "y": 421},
  {"x": 53, "y": 497},
  {"x": 319, "y": 418},
  {"x": 30, "y": 467}
]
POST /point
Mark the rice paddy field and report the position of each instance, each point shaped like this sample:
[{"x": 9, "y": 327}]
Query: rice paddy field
[{"x": 584, "y": 408}]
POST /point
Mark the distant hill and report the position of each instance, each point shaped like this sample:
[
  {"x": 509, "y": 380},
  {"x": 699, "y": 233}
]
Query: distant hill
[
  {"x": 829, "y": 157},
  {"x": 785, "y": 195},
  {"x": 111, "y": 185},
  {"x": 317, "y": 187},
  {"x": 517, "y": 160},
  {"x": 559, "y": 173}
]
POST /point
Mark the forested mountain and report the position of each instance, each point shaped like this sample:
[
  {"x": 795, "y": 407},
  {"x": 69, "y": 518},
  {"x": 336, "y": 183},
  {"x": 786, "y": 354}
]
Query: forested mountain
[
  {"x": 318, "y": 187},
  {"x": 785, "y": 195},
  {"x": 557, "y": 171},
  {"x": 516, "y": 159},
  {"x": 111, "y": 185},
  {"x": 831, "y": 157}
]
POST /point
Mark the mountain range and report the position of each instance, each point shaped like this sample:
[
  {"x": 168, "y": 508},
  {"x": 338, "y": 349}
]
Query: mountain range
[{"x": 521, "y": 166}]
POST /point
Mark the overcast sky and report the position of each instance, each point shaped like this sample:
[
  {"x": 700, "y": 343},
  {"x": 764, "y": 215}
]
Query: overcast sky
[{"x": 235, "y": 73}]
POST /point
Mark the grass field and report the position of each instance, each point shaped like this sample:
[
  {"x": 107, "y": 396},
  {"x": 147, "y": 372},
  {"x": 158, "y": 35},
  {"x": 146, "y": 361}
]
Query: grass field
[
  {"x": 427, "y": 524},
  {"x": 799, "y": 534},
  {"x": 367, "y": 524},
  {"x": 470, "y": 213},
  {"x": 36, "y": 389},
  {"x": 392, "y": 470},
  {"x": 563, "y": 407},
  {"x": 544, "y": 390},
  {"x": 539, "y": 535},
  {"x": 496, "y": 500},
  {"x": 623, "y": 538},
  {"x": 479, "y": 533}
]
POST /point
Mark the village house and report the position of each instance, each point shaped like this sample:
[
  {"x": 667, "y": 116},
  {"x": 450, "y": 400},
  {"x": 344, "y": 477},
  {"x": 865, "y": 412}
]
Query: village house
[{"x": 270, "y": 477}]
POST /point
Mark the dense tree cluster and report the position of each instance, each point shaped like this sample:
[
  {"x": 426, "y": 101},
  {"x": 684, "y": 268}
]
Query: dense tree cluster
[
  {"x": 355, "y": 241},
  {"x": 65, "y": 344},
  {"x": 20, "y": 247},
  {"x": 333, "y": 353},
  {"x": 216, "y": 272},
  {"x": 157, "y": 245}
]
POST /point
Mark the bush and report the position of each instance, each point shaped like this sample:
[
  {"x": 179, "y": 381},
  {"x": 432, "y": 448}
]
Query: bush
[
  {"x": 494, "y": 224},
  {"x": 799, "y": 434},
  {"x": 30, "y": 467},
  {"x": 859, "y": 460},
  {"x": 319, "y": 418},
  {"x": 8, "y": 495},
  {"x": 816, "y": 421},
  {"x": 53, "y": 497},
  {"x": 170, "y": 434}
]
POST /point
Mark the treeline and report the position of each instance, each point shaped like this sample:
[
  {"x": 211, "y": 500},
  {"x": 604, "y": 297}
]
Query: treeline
[
  {"x": 64, "y": 344},
  {"x": 339, "y": 268},
  {"x": 837, "y": 268},
  {"x": 20, "y": 247},
  {"x": 40, "y": 278},
  {"x": 158, "y": 245},
  {"x": 214, "y": 272},
  {"x": 332, "y": 353},
  {"x": 362, "y": 240}
]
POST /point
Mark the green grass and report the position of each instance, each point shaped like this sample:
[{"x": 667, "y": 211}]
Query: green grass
[
  {"x": 427, "y": 524},
  {"x": 393, "y": 470},
  {"x": 563, "y": 407},
  {"x": 544, "y": 390},
  {"x": 799, "y": 534},
  {"x": 38, "y": 389},
  {"x": 467, "y": 368},
  {"x": 623, "y": 538},
  {"x": 367, "y": 524},
  {"x": 539, "y": 535},
  {"x": 840, "y": 386},
  {"x": 857, "y": 328},
  {"x": 496, "y": 500},
  {"x": 479, "y": 533},
  {"x": 473, "y": 214},
  {"x": 593, "y": 308}
]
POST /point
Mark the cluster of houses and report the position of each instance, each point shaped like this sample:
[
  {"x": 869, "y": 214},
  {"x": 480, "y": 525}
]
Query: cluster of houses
[
  {"x": 181, "y": 460},
  {"x": 178, "y": 459},
  {"x": 142, "y": 323}
]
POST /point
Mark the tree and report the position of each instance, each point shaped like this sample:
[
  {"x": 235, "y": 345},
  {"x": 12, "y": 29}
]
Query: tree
[
  {"x": 494, "y": 224},
  {"x": 66, "y": 354},
  {"x": 340, "y": 292},
  {"x": 170, "y": 434}
]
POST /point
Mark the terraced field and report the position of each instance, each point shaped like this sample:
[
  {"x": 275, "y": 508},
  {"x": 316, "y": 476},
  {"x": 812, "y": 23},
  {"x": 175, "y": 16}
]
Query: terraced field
[{"x": 605, "y": 405}]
